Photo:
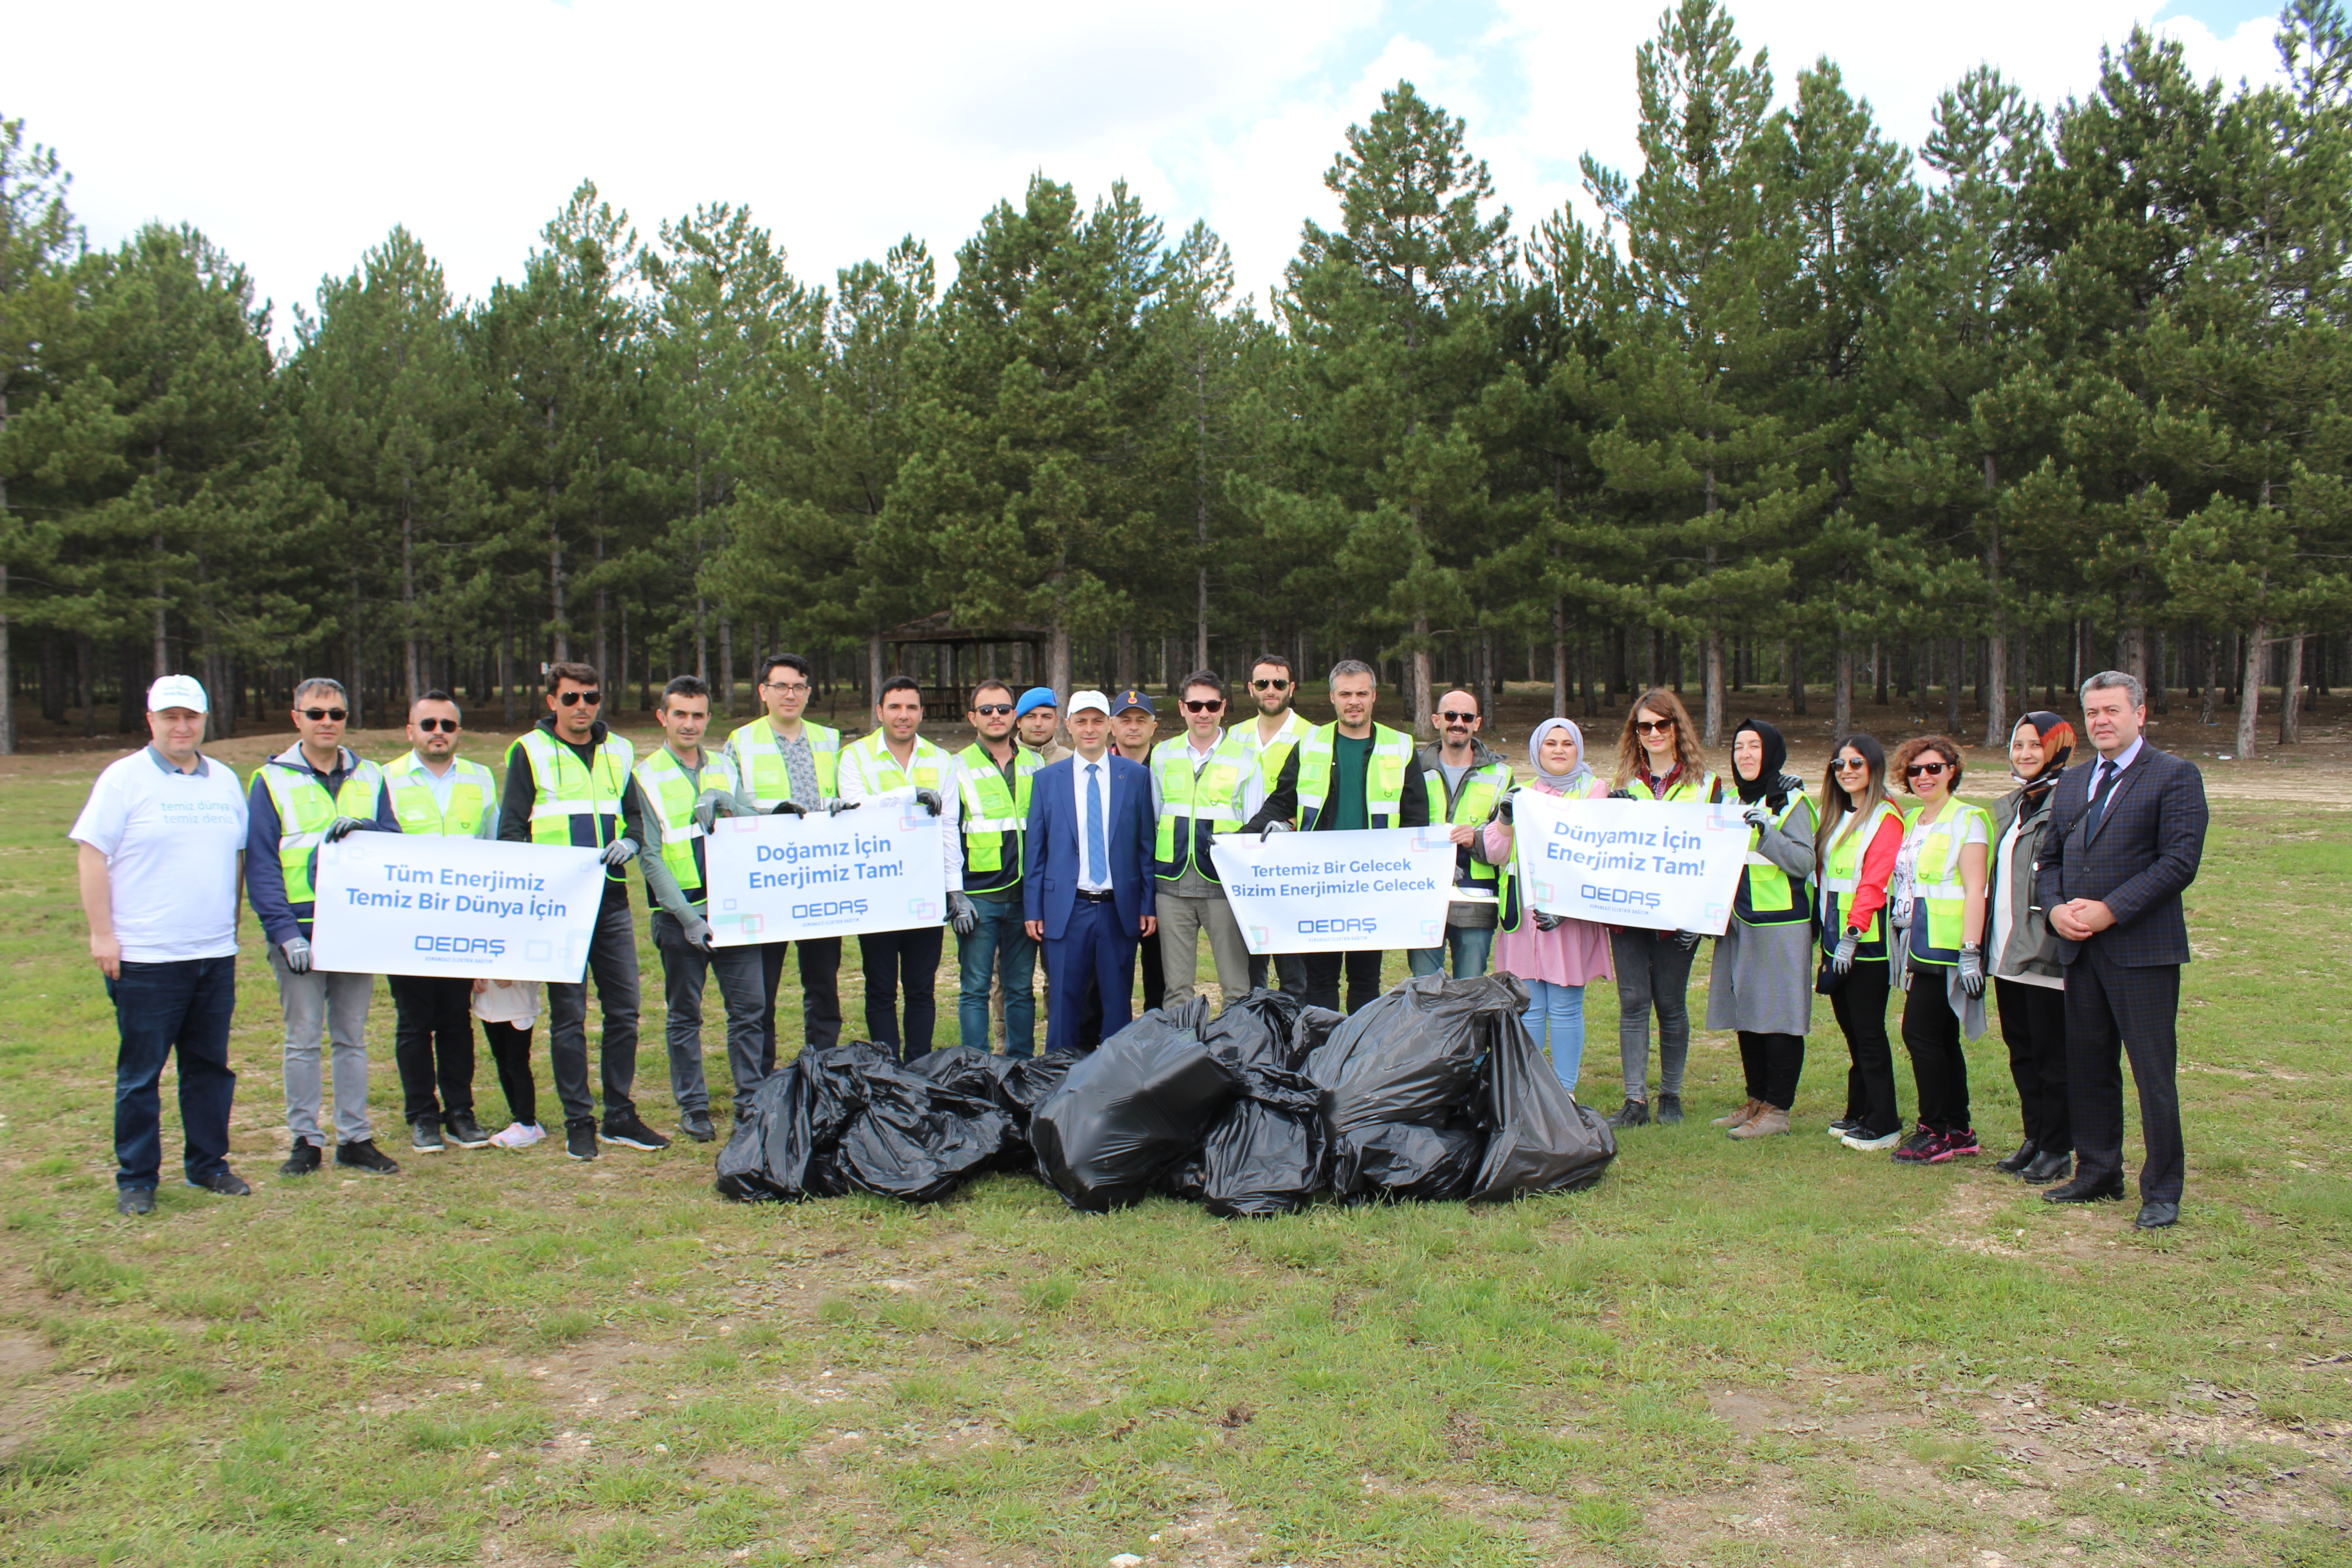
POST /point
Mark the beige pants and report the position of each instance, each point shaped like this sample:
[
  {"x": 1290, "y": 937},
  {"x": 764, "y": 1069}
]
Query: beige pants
[{"x": 1181, "y": 920}]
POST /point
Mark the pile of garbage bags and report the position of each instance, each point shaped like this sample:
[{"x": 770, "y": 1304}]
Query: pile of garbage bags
[{"x": 1434, "y": 1091}]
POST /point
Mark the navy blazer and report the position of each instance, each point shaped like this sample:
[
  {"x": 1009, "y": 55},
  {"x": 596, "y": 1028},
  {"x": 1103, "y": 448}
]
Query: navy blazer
[
  {"x": 1051, "y": 849},
  {"x": 2144, "y": 850}
]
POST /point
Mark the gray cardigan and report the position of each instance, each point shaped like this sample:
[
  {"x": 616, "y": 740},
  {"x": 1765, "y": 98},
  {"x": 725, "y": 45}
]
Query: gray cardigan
[{"x": 2032, "y": 945}]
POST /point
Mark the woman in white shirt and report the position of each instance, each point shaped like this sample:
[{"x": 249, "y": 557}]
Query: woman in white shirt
[{"x": 2029, "y": 983}]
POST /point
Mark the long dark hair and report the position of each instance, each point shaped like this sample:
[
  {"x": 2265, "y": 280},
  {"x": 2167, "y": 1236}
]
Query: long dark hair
[{"x": 1836, "y": 803}]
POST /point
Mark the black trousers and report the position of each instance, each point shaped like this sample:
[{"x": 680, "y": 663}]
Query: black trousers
[
  {"x": 1090, "y": 1019},
  {"x": 510, "y": 1048},
  {"x": 1939, "y": 1062},
  {"x": 2033, "y": 1023},
  {"x": 894, "y": 959},
  {"x": 820, "y": 995},
  {"x": 1772, "y": 1064},
  {"x": 1363, "y": 969},
  {"x": 1860, "y": 1002},
  {"x": 2112, "y": 1009},
  {"x": 433, "y": 1043},
  {"x": 1289, "y": 968}
]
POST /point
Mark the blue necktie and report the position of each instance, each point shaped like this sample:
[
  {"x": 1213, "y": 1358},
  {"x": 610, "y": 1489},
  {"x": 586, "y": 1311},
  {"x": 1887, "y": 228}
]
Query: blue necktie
[
  {"x": 1095, "y": 853},
  {"x": 2101, "y": 787}
]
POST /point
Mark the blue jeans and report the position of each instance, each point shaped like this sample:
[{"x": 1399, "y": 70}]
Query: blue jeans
[
  {"x": 158, "y": 1006},
  {"x": 998, "y": 945},
  {"x": 1555, "y": 1016},
  {"x": 1471, "y": 949}
]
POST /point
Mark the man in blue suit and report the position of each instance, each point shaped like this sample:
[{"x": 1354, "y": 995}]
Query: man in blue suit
[{"x": 1086, "y": 886}]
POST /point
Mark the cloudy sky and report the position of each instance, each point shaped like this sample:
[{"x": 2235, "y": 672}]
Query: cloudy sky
[{"x": 295, "y": 134}]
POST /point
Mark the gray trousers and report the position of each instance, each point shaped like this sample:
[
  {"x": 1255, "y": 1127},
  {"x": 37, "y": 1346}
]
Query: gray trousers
[
  {"x": 612, "y": 965},
  {"x": 1181, "y": 920},
  {"x": 334, "y": 1007},
  {"x": 741, "y": 989},
  {"x": 1652, "y": 973}
]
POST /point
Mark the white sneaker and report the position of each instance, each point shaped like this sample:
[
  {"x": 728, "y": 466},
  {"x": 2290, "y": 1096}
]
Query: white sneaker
[
  {"x": 1853, "y": 1142},
  {"x": 519, "y": 1135}
]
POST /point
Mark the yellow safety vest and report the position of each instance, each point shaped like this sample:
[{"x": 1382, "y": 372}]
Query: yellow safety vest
[
  {"x": 1194, "y": 806},
  {"x": 670, "y": 791},
  {"x": 758, "y": 760},
  {"x": 1706, "y": 786},
  {"x": 1766, "y": 896},
  {"x": 1482, "y": 787},
  {"x": 1276, "y": 752},
  {"x": 304, "y": 810},
  {"x": 574, "y": 804},
  {"x": 1383, "y": 779},
  {"x": 1938, "y": 897},
  {"x": 1841, "y": 869},
  {"x": 923, "y": 771},
  {"x": 473, "y": 795},
  {"x": 995, "y": 816}
]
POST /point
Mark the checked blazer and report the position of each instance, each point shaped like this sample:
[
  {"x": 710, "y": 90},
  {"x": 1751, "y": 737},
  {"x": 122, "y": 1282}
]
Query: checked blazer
[{"x": 2138, "y": 857}]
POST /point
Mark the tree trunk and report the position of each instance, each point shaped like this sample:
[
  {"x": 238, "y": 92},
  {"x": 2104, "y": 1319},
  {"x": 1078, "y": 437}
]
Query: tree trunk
[
  {"x": 2131, "y": 652},
  {"x": 1711, "y": 678},
  {"x": 1558, "y": 658},
  {"x": 1123, "y": 658},
  {"x": 2206, "y": 709},
  {"x": 1841, "y": 693},
  {"x": 2249, "y": 690},
  {"x": 408, "y": 593},
  {"x": 874, "y": 672},
  {"x": 1792, "y": 653},
  {"x": 727, "y": 665},
  {"x": 2291, "y": 693},
  {"x": 359, "y": 664}
]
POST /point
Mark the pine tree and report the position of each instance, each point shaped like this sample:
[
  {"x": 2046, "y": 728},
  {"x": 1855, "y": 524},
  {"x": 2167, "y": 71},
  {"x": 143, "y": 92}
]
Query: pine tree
[{"x": 37, "y": 237}]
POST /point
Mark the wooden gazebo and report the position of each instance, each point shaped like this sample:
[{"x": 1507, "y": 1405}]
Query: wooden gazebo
[{"x": 950, "y": 659}]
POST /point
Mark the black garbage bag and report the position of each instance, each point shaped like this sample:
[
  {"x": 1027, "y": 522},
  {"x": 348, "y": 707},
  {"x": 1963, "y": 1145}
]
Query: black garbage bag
[
  {"x": 1143, "y": 1100},
  {"x": 1395, "y": 1162},
  {"x": 784, "y": 1149},
  {"x": 917, "y": 1141},
  {"x": 1256, "y": 1030},
  {"x": 962, "y": 1070},
  {"x": 1267, "y": 1156},
  {"x": 1308, "y": 1031},
  {"x": 1538, "y": 1140},
  {"x": 1411, "y": 1056},
  {"x": 1016, "y": 1085}
]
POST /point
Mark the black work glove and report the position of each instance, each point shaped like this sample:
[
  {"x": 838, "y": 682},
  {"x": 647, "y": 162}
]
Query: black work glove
[
  {"x": 342, "y": 827},
  {"x": 1619, "y": 794},
  {"x": 929, "y": 799},
  {"x": 1546, "y": 921},
  {"x": 788, "y": 808}
]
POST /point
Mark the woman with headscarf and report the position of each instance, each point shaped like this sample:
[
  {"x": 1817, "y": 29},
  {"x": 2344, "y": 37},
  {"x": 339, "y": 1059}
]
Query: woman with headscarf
[
  {"x": 2029, "y": 983},
  {"x": 1854, "y": 861},
  {"x": 1762, "y": 982},
  {"x": 1556, "y": 958}
]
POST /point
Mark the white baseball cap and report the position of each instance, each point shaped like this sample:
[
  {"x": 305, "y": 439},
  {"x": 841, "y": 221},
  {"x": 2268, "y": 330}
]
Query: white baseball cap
[
  {"x": 1080, "y": 701},
  {"x": 178, "y": 691}
]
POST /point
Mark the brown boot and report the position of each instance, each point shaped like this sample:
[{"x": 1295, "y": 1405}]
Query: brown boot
[
  {"x": 1768, "y": 1120},
  {"x": 1741, "y": 1117}
]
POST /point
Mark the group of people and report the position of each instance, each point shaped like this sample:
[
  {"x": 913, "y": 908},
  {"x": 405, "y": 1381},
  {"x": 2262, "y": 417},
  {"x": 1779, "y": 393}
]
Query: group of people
[{"x": 1095, "y": 855}]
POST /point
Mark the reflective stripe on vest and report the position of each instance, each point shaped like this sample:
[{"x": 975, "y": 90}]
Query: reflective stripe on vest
[
  {"x": 1276, "y": 752},
  {"x": 1766, "y": 896},
  {"x": 1384, "y": 775},
  {"x": 304, "y": 810},
  {"x": 1706, "y": 786},
  {"x": 1939, "y": 897},
  {"x": 1841, "y": 869},
  {"x": 760, "y": 757},
  {"x": 923, "y": 770},
  {"x": 573, "y": 804},
  {"x": 471, "y": 795},
  {"x": 670, "y": 791},
  {"x": 1482, "y": 787},
  {"x": 994, "y": 816},
  {"x": 1181, "y": 841}
]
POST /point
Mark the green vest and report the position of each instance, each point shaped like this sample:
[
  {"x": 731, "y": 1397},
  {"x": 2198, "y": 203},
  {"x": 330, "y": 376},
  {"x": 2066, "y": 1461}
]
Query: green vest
[
  {"x": 574, "y": 804},
  {"x": 1939, "y": 898},
  {"x": 1383, "y": 779},
  {"x": 1482, "y": 787},
  {"x": 473, "y": 795},
  {"x": 1706, "y": 786},
  {"x": 923, "y": 771},
  {"x": 1766, "y": 896},
  {"x": 304, "y": 810},
  {"x": 995, "y": 816},
  {"x": 670, "y": 791},
  {"x": 760, "y": 761},
  {"x": 1194, "y": 806},
  {"x": 1276, "y": 752},
  {"x": 1841, "y": 868}
]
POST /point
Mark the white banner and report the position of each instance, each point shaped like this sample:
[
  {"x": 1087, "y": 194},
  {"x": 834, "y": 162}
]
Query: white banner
[
  {"x": 779, "y": 878},
  {"x": 396, "y": 903},
  {"x": 1663, "y": 865},
  {"x": 1321, "y": 892}
]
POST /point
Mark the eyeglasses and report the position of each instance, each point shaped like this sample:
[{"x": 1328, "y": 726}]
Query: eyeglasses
[
  {"x": 1850, "y": 764},
  {"x": 1211, "y": 705},
  {"x": 990, "y": 710},
  {"x": 1270, "y": 685},
  {"x": 430, "y": 725},
  {"x": 1654, "y": 726},
  {"x": 1453, "y": 718},
  {"x": 318, "y": 715},
  {"x": 589, "y": 698},
  {"x": 1923, "y": 770},
  {"x": 786, "y": 687}
]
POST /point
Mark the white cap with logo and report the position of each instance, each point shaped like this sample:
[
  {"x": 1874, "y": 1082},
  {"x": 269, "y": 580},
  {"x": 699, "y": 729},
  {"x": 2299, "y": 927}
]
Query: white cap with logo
[
  {"x": 1081, "y": 701},
  {"x": 178, "y": 691}
]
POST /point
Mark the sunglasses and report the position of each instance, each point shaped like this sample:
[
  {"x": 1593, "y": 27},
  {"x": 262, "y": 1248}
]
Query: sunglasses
[
  {"x": 1923, "y": 770},
  {"x": 430, "y": 725},
  {"x": 1211, "y": 705},
  {"x": 990, "y": 710},
  {"x": 1453, "y": 718},
  {"x": 1848, "y": 765},
  {"x": 317, "y": 715},
  {"x": 1270, "y": 685},
  {"x": 589, "y": 698},
  {"x": 1654, "y": 726}
]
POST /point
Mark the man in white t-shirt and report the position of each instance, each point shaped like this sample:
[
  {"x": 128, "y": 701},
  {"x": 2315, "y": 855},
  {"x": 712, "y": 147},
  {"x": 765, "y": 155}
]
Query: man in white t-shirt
[{"x": 162, "y": 868}]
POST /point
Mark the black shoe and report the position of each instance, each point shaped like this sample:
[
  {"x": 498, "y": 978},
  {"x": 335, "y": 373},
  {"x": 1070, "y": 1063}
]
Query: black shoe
[
  {"x": 1670, "y": 1110},
  {"x": 465, "y": 1131},
  {"x": 1633, "y": 1113},
  {"x": 2155, "y": 1214},
  {"x": 225, "y": 1181},
  {"x": 2086, "y": 1190},
  {"x": 580, "y": 1139},
  {"x": 364, "y": 1155},
  {"x": 423, "y": 1134},
  {"x": 303, "y": 1161},
  {"x": 135, "y": 1200},
  {"x": 1844, "y": 1126},
  {"x": 2020, "y": 1158},
  {"x": 629, "y": 1128},
  {"x": 2054, "y": 1166},
  {"x": 696, "y": 1125}
]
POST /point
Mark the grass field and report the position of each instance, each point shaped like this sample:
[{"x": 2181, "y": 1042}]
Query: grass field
[{"x": 1774, "y": 1352}]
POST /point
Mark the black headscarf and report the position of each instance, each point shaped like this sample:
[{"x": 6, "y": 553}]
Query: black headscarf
[{"x": 1766, "y": 785}]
